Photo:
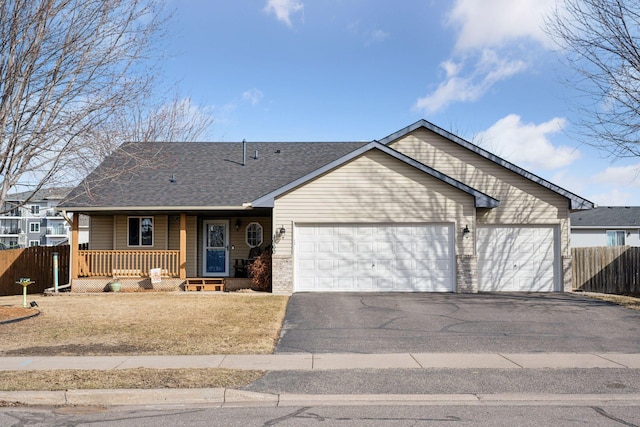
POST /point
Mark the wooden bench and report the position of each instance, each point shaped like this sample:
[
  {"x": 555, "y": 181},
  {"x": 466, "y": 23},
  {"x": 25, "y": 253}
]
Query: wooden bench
[{"x": 202, "y": 284}]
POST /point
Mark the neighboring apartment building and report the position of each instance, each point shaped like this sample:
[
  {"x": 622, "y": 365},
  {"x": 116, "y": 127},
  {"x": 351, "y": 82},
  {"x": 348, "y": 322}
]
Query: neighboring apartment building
[
  {"x": 36, "y": 223},
  {"x": 606, "y": 226}
]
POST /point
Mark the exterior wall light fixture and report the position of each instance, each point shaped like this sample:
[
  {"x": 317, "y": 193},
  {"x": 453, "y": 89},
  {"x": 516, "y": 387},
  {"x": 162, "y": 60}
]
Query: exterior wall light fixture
[
  {"x": 466, "y": 231},
  {"x": 282, "y": 231}
]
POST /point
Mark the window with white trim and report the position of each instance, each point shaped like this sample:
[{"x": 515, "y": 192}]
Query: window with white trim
[
  {"x": 140, "y": 231},
  {"x": 34, "y": 227},
  {"x": 615, "y": 237},
  {"x": 35, "y": 209},
  {"x": 254, "y": 234},
  {"x": 34, "y": 243}
]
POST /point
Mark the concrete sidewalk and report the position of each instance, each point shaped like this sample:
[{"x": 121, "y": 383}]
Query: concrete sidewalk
[{"x": 331, "y": 361}]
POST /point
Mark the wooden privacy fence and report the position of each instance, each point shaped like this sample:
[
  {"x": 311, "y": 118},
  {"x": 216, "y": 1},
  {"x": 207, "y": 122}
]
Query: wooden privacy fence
[
  {"x": 37, "y": 264},
  {"x": 611, "y": 270},
  {"x": 128, "y": 263}
]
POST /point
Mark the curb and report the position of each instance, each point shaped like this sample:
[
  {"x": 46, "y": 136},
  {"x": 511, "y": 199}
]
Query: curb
[
  {"x": 220, "y": 397},
  {"x": 20, "y": 319}
]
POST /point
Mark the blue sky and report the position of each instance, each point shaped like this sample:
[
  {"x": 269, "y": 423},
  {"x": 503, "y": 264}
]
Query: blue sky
[{"x": 352, "y": 70}]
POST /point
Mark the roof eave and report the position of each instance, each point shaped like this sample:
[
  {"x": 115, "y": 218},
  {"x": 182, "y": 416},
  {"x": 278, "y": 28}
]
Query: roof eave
[{"x": 150, "y": 208}]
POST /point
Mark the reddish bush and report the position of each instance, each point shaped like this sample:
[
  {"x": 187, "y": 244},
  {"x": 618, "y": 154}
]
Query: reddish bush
[{"x": 260, "y": 272}]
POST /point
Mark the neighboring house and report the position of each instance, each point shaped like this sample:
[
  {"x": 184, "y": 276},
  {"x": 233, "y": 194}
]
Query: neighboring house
[
  {"x": 30, "y": 220},
  {"x": 420, "y": 210},
  {"x": 606, "y": 226}
]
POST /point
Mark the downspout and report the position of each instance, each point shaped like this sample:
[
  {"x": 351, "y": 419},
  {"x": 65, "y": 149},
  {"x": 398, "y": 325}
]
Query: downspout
[
  {"x": 71, "y": 242},
  {"x": 66, "y": 217}
]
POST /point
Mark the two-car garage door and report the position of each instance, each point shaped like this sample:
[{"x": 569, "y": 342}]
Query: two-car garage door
[{"x": 374, "y": 257}]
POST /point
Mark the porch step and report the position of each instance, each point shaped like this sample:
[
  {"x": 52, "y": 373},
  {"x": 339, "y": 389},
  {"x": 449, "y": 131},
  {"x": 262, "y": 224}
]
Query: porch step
[{"x": 204, "y": 284}]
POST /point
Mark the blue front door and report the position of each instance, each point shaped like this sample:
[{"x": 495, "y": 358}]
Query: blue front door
[{"x": 215, "y": 256}]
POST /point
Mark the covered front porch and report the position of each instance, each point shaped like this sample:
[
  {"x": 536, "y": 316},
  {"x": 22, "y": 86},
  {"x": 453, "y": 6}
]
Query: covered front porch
[{"x": 176, "y": 247}]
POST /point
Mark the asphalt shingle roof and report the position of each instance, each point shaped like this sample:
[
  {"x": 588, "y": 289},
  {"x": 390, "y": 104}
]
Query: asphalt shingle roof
[
  {"x": 607, "y": 216},
  {"x": 200, "y": 174}
]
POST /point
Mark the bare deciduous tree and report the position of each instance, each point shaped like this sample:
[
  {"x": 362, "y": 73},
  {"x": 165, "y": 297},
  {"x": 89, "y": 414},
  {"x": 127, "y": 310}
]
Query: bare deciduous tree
[
  {"x": 600, "y": 41},
  {"x": 78, "y": 78}
]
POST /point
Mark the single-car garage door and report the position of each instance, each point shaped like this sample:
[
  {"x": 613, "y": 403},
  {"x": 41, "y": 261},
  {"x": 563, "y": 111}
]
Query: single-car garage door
[
  {"x": 516, "y": 259},
  {"x": 374, "y": 257}
]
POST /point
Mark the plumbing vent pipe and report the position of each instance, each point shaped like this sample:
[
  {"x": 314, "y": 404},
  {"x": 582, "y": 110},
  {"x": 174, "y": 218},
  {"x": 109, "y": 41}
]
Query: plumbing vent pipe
[{"x": 244, "y": 152}]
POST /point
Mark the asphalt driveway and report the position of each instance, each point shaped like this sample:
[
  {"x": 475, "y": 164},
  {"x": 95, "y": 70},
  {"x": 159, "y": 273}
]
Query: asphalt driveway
[{"x": 434, "y": 322}]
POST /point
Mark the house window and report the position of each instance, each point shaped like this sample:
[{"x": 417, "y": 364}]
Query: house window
[
  {"x": 140, "y": 231},
  {"x": 34, "y": 243},
  {"x": 35, "y": 209},
  {"x": 254, "y": 234},
  {"x": 34, "y": 227},
  {"x": 615, "y": 237}
]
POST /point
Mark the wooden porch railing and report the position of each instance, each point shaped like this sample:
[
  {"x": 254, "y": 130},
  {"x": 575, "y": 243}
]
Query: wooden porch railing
[{"x": 128, "y": 263}]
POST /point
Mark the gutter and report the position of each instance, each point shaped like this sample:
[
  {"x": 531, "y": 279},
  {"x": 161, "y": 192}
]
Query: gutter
[{"x": 244, "y": 206}]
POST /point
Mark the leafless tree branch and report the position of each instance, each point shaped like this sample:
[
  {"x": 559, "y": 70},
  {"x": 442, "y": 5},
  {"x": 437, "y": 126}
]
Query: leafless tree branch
[
  {"x": 599, "y": 41},
  {"x": 78, "y": 78}
]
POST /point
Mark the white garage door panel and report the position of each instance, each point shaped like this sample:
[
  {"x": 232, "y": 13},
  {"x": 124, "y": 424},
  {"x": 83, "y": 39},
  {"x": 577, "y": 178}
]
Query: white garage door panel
[
  {"x": 374, "y": 258},
  {"x": 516, "y": 259}
]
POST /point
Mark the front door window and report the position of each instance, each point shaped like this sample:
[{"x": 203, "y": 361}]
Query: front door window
[{"x": 215, "y": 248}]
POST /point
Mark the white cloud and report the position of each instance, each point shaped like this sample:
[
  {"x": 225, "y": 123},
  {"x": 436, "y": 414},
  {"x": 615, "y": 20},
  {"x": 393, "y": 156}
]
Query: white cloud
[
  {"x": 457, "y": 87},
  {"x": 614, "y": 197},
  {"x": 620, "y": 175},
  {"x": 497, "y": 22},
  {"x": 527, "y": 144},
  {"x": 253, "y": 96},
  {"x": 488, "y": 47},
  {"x": 283, "y": 9}
]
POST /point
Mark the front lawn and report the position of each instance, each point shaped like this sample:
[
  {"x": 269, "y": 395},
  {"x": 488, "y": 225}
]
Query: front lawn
[{"x": 145, "y": 324}]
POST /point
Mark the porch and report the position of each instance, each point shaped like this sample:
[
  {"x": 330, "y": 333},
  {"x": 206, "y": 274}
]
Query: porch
[{"x": 184, "y": 248}]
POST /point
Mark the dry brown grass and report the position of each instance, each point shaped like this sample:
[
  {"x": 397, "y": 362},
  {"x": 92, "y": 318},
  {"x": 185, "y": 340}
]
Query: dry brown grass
[
  {"x": 140, "y": 378},
  {"x": 146, "y": 324},
  {"x": 626, "y": 301}
]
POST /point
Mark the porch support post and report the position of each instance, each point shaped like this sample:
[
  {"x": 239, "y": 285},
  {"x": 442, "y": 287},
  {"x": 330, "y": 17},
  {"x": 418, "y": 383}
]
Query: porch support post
[
  {"x": 74, "y": 265},
  {"x": 183, "y": 246}
]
